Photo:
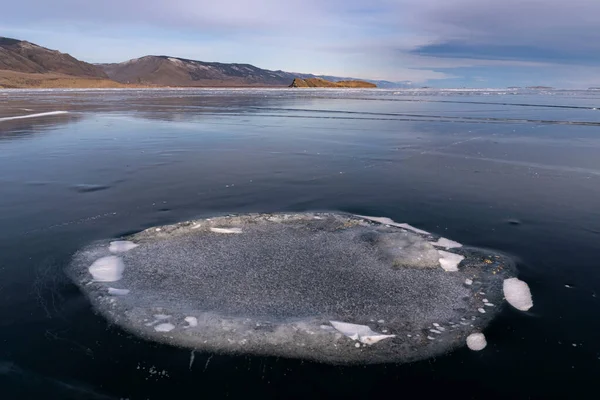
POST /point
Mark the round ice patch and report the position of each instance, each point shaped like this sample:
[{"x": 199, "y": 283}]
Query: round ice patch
[{"x": 309, "y": 285}]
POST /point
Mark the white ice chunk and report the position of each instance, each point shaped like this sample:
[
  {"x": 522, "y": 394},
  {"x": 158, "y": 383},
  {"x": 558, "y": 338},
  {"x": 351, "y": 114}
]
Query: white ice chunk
[
  {"x": 166, "y": 327},
  {"x": 107, "y": 269},
  {"x": 481, "y": 310},
  {"x": 388, "y": 221},
  {"x": 469, "y": 282},
  {"x": 476, "y": 341},
  {"x": 118, "y": 292},
  {"x": 226, "y": 230},
  {"x": 517, "y": 294},
  {"x": 45, "y": 114},
  {"x": 192, "y": 321},
  {"x": 362, "y": 333},
  {"x": 450, "y": 261},
  {"x": 121, "y": 246},
  {"x": 447, "y": 243}
]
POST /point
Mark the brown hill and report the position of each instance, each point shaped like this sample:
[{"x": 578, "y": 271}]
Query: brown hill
[
  {"x": 171, "y": 71},
  {"x": 23, "y": 80},
  {"x": 24, "y": 64},
  {"x": 322, "y": 83},
  {"x": 25, "y": 57}
]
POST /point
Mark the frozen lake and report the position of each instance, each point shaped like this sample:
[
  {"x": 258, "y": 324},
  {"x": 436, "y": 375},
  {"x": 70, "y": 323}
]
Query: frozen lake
[{"x": 516, "y": 172}]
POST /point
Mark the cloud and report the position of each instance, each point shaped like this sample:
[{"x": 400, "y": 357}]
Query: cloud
[
  {"x": 516, "y": 52},
  {"x": 416, "y": 40},
  {"x": 555, "y": 31}
]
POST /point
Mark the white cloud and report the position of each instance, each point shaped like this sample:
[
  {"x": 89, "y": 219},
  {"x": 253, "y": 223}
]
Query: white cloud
[{"x": 354, "y": 37}]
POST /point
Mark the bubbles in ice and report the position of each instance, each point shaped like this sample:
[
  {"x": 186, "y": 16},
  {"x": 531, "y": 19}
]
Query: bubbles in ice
[
  {"x": 107, "y": 269},
  {"x": 304, "y": 285}
]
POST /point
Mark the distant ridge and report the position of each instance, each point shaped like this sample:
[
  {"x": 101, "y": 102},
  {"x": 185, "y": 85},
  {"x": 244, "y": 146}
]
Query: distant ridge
[
  {"x": 174, "y": 71},
  {"x": 21, "y": 56},
  {"x": 24, "y": 64}
]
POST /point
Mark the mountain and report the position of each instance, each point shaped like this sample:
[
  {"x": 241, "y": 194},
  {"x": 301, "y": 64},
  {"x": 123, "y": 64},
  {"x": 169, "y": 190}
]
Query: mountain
[
  {"x": 24, "y": 64},
  {"x": 322, "y": 83},
  {"x": 171, "y": 71},
  {"x": 22, "y": 56}
]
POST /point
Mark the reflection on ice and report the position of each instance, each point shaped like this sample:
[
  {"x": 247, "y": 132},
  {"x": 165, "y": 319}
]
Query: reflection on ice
[{"x": 44, "y": 114}]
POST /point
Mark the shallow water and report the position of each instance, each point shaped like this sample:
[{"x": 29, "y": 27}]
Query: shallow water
[{"x": 517, "y": 172}]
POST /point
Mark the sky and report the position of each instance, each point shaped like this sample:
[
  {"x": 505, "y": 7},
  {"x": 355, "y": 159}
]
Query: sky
[{"x": 439, "y": 43}]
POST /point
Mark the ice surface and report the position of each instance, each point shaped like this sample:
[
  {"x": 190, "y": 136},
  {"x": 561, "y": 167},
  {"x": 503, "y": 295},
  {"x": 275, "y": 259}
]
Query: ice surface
[
  {"x": 476, "y": 341},
  {"x": 362, "y": 333},
  {"x": 164, "y": 327},
  {"x": 107, "y": 269},
  {"x": 273, "y": 289},
  {"x": 447, "y": 243},
  {"x": 517, "y": 294},
  {"x": 118, "y": 292},
  {"x": 450, "y": 261},
  {"x": 121, "y": 246},
  {"x": 45, "y": 114}
]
